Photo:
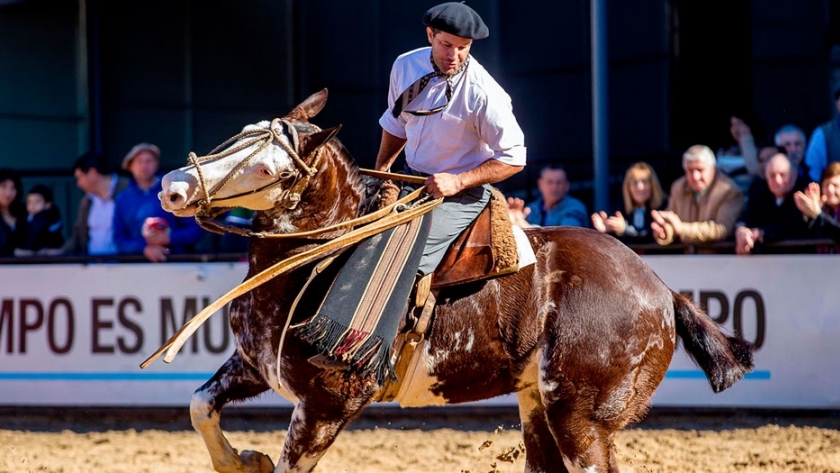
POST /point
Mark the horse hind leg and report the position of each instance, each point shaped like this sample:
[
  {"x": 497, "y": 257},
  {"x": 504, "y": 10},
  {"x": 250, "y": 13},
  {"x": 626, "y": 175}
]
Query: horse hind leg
[
  {"x": 234, "y": 381},
  {"x": 586, "y": 443},
  {"x": 541, "y": 451}
]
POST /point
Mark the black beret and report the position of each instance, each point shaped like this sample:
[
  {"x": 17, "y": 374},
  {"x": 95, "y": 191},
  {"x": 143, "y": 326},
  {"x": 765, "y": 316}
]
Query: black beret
[{"x": 456, "y": 18}]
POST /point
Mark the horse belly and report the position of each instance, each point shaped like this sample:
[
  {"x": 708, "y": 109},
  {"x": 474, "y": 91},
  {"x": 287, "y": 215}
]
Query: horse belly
[
  {"x": 437, "y": 377},
  {"x": 417, "y": 382}
]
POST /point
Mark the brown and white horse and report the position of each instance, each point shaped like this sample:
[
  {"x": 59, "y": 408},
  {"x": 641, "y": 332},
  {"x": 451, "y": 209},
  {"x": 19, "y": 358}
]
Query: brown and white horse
[{"x": 583, "y": 336}]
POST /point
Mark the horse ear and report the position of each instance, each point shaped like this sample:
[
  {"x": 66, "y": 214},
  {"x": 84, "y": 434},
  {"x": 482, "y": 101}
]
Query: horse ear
[
  {"x": 309, "y": 107},
  {"x": 310, "y": 143}
]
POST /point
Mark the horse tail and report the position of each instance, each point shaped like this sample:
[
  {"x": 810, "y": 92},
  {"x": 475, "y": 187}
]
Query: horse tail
[{"x": 724, "y": 359}]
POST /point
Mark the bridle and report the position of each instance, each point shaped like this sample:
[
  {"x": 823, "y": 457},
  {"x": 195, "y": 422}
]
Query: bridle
[
  {"x": 388, "y": 216},
  {"x": 206, "y": 214},
  {"x": 263, "y": 137}
]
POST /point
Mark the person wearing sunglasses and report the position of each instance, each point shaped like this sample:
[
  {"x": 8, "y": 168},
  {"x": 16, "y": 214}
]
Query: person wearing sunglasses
[{"x": 454, "y": 121}]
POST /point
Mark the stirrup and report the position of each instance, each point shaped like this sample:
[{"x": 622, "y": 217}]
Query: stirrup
[
  {"x": 424, "y": 285},
  {"x": 417, "y": 300}
]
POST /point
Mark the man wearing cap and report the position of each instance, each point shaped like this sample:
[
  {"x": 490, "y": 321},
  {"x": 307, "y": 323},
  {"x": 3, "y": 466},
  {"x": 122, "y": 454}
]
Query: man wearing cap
[
  {"x": 455, "y": 122},
  {"x": 140, "y": 223}
]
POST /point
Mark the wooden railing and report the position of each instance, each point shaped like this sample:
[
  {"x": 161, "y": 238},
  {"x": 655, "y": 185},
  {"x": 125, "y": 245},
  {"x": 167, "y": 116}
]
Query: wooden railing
[
  {"x": 728, "y": 247},
  {"x": 722, "y": 247}
]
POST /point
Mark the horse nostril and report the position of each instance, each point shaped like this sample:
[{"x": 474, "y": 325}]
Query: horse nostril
[{"x": 171, "y": 200}]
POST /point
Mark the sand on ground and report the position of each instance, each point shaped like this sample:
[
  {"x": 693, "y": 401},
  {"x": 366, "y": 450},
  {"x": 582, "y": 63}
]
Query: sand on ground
[{"x": 424, "y": 442}]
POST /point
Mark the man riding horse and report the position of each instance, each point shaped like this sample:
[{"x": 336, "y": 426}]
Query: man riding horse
[
  {"x": 455, "y": 122},
  {"x": 582, "y": 346}
]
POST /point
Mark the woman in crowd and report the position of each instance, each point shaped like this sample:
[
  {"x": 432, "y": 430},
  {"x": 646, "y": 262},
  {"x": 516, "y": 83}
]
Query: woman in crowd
[
  {"x": 642, "y": 193},
  {"x": 820, "y": 204},
  {"x": 13, "y": 212}
]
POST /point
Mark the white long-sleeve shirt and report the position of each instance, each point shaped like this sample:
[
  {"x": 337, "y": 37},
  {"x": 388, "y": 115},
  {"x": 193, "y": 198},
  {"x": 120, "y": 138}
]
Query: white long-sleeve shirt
[{"x": 477, "y": 124}]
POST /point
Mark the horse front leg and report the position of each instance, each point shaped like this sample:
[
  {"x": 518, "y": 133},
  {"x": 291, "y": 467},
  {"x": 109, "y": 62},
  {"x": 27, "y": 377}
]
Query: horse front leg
[{"x": 235, "y": 380}]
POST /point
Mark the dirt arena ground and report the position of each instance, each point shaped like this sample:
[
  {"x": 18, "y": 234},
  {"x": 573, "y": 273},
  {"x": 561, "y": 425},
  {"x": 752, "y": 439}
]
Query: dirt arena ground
[{"x": 418, "y": 440}]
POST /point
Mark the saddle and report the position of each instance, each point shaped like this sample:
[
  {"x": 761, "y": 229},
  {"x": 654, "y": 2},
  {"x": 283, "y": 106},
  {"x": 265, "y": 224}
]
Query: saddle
[{"x": 487, "y": 248}]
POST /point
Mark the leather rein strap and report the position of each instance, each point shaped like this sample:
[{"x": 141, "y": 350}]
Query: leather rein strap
[
  {"x": 397, "y": 213},
  {"x": 392, "y": 219},
  {"x": 206, "y": 222}
]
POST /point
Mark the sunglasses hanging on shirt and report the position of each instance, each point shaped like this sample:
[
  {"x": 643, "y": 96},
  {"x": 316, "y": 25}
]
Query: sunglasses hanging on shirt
[{"x": 412, "y": 91}]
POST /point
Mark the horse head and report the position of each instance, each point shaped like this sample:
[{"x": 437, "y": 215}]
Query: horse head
[{"x": 268, "y": 163}]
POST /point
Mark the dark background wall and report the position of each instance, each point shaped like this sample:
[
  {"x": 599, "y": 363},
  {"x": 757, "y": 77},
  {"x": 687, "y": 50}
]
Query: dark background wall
[{"x": 103, "y": 75}]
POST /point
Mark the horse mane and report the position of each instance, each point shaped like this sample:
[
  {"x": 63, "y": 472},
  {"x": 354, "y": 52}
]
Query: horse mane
[{"x": 370, "y": 186}]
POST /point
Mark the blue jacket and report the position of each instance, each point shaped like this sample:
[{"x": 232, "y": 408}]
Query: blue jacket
[
  {"x": 131, "y": 208},
  {"x": 569, "y": 211}
]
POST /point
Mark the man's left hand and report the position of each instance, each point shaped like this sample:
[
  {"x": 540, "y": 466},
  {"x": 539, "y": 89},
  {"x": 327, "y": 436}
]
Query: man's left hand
[
  {"x": 155, "y": 253},
  {"x": 674, "y": 219},
  {"x": 745, "y": 240},
  {"x": 443, "y": 185}
]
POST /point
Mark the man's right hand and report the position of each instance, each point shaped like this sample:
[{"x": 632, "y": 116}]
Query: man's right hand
[{"x": 443, "y": 184}]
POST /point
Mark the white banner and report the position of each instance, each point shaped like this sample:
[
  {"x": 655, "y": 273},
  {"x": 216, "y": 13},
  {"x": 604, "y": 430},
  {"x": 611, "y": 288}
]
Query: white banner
[
  {"x": 789, "y": 305},
  {"x": 76, "y": 334}
]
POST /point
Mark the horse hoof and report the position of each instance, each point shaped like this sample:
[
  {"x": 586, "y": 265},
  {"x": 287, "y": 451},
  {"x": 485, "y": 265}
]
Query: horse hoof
[{"x": 256, "y": 462}]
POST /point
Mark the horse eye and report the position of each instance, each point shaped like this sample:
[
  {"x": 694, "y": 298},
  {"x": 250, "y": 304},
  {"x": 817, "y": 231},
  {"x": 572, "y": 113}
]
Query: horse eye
[{"x": 265, "y": 171}]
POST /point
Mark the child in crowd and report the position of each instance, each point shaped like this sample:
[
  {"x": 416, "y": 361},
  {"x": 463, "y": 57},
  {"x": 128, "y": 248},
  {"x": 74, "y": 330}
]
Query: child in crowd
[{"x": 42, "y": 232}]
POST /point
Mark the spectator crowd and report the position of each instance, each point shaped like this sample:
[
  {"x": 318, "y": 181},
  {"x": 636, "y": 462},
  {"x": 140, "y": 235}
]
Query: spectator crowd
[
  {"x": 118, "y": 214},
  {"x": 755, "y": 192}
]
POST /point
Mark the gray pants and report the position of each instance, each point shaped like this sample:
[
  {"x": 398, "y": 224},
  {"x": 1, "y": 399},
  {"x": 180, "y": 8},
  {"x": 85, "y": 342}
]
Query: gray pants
[{"x": 449, "y": 219}]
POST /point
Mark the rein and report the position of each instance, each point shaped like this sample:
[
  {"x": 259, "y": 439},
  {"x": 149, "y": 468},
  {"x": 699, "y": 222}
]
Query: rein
[
  {"x": 265, "y": 137},
  {"x": 205, "y": 214},
  {"x": 206, "y": 221},
  {"x": 397, "y": 213},
  {"x": 174, "y": 344}
]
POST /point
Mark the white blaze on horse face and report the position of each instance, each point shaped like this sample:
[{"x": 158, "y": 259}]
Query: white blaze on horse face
[
  {"x": 182, "y": 187},
  {"x": 263, "y": 169}
]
